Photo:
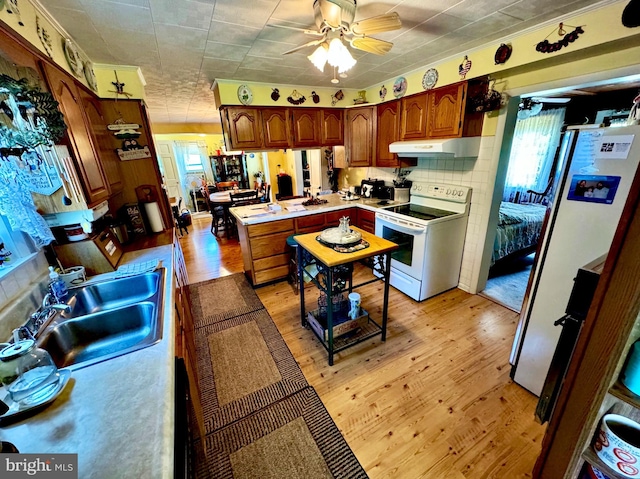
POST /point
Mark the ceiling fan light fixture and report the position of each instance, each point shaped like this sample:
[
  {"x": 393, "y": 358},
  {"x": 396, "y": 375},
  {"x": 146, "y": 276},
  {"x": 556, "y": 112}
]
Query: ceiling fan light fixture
[
  {"x": 319, "y": 57},
  {"x": 339, "y": 56}
]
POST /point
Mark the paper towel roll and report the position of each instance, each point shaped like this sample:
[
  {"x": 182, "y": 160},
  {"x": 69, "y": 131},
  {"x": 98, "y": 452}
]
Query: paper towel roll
[{"x": 153, "y": 215}]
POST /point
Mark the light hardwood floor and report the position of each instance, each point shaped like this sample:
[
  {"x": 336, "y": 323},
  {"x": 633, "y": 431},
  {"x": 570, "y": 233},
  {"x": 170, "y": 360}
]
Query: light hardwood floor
[{"x": 434, "y": 401}]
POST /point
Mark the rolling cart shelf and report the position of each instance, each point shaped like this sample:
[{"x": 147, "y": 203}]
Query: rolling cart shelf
[
  {"x": 590, "y": 456},
  {"x": 334, "y": 271},
  {"x": 353, "y": 332}
]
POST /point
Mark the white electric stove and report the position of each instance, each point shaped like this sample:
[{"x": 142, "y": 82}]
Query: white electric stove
[{"x": 430, "y": 230}]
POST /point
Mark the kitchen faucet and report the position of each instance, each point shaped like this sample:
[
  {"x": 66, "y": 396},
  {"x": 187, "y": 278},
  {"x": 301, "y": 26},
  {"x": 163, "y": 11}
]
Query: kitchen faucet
[{"x": 45, "y": 312}]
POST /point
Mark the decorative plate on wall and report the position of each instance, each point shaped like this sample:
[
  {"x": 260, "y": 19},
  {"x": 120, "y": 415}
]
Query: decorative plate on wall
[
  {"x": 400, "y": 87},
  {"x": 73, "y": 57},
  {"x": 90, "y": 75},
  {"x": 244, "y": 95},
  {"x": 503, "y": 53},
  {"x": 430, "y": 79}
]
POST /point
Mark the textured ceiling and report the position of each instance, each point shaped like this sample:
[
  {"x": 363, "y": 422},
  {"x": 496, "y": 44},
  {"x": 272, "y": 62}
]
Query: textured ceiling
[{"x": 183, "y": 45}]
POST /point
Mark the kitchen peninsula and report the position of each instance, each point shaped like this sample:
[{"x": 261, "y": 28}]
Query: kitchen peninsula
[{"x": 263, "y": 232}]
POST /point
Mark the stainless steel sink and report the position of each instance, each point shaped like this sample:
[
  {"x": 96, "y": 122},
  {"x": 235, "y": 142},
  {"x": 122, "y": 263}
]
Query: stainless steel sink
[
  {"x": 112, "y": 294},
  {"x": 107, "y": 320}
]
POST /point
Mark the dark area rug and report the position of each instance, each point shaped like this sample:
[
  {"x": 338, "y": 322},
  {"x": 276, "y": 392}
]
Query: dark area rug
[
  {"x": 262, "y": 419},
  {"x": 243, "y": 366},
  {"x": 222, "y": 298},
  {"x": 294, "y": 438}
]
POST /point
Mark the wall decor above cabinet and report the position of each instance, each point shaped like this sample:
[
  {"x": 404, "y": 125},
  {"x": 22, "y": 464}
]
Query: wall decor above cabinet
[
  {"x": 503, "y": 53},
  {"x": 545, "y": 47},
  {"x": 12, "y": 7},
  {"x": 400, "y": 87},
  {"x": 73, "y": 57},
  {"x": 245, "y": 95},
  {"x": 430, "y": 79},
  {"x": 296, "y": 98},
  {"x": 464, "y": 67},
  {"x": 44, "y": 37}
]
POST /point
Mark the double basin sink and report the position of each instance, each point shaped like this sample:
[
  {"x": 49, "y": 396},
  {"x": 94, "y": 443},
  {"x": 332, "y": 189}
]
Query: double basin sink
[{"x": 106, "y": 319}]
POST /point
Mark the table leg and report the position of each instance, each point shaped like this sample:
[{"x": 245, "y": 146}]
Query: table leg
[
  {"x": 330, "y": 313},
  {"x": 385, "y": 307},
  {"x": 303, "y": 316}
]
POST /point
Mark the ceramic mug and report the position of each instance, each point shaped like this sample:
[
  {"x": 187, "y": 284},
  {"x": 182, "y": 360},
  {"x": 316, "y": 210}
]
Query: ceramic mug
[
  {"x": 618, "y": 444},
  {"x": 73, "y": 276}
]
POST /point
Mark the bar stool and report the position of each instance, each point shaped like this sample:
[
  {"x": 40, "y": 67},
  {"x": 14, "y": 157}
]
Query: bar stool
[{"x": 292, "y": 278}]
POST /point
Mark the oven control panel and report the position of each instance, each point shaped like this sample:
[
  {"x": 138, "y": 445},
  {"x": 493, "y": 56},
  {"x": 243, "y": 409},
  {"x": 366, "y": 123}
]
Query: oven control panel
[{"x": 455, "y": 193}]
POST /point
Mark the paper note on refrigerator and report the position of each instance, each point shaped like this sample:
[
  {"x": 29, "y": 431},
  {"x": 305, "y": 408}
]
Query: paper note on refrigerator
[{"x": 614, "y": 147}]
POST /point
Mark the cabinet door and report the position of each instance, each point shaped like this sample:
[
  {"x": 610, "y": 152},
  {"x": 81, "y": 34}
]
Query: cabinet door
[
  {"x": 333, "y": 218},
  {"x": 89, "y": 169},
  {"x": 243, "y": 126},
  {"x": 332, "y": 127},
  {"x": 276, "y": 127},
  {"x": 102, "y": 139},
  {"x": 367, "y": 220},
  {"x": 306, "y": 127},
  {"x": 360, "y": 136},
  {"x": 446, "y": 110},
  {"x": 388, "y": 132},
  {"x": 414, "y": 117}
]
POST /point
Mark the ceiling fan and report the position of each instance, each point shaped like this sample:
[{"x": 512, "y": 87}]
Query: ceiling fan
[{"x": 334, "y": 20}]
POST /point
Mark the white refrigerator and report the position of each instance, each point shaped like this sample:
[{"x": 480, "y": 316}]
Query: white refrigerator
[{"x": 598, "y": 170}]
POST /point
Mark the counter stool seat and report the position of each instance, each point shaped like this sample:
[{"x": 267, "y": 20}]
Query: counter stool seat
[{"x": 292, "y": 278}]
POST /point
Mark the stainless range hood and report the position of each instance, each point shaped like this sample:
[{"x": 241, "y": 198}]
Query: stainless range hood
[{"x": 445, "y": 148}]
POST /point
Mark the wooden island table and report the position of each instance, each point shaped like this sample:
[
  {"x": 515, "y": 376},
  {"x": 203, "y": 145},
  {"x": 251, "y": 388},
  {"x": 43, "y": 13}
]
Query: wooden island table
[{"x": 331, "y": 272}]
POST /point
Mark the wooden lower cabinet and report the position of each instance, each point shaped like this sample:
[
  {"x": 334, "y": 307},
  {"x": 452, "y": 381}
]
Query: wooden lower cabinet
[
  {"x": 332, "y": 219},
  {"x": 265, "y": 253},
  {"x": 311, "y": 223},
  {"x": 184, "y": 333},
  {"x": 366, "y": 220}
]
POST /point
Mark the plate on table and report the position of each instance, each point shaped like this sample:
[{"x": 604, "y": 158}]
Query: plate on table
[{"x": 38, "y": 400}]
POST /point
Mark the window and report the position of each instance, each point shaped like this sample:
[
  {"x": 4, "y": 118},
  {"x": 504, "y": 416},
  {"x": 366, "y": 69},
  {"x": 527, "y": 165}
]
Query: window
[{"x": 193, "y": 162}]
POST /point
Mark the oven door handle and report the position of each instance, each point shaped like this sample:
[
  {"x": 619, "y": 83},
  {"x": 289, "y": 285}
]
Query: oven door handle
[{"x": 401, "y": 224}]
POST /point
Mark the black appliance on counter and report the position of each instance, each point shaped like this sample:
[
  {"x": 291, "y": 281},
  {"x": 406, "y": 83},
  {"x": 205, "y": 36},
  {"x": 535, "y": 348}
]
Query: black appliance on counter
[
  {"x": 584, "y": 287},
  {"x": 285, "y": 186},
  {"x": 371, "y": 188}
]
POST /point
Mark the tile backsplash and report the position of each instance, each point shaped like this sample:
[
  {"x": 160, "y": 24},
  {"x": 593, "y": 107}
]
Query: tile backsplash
[
  {"x": 21, "y": 292},
  {"x": 477, "y": 173}
]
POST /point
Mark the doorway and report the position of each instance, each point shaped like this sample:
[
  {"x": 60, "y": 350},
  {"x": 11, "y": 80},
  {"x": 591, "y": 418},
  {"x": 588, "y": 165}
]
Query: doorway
[
  {"x": 528, "y": 192},
  {"x": 508, "y": 276}
]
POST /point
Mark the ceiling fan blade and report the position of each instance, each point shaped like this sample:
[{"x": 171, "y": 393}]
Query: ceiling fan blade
[
  {"x": 371, "y": 45},
  {"x": 379, "y": 24},
  {"x": 306, "y": 45},
  {"x": 296, "y": 29}
]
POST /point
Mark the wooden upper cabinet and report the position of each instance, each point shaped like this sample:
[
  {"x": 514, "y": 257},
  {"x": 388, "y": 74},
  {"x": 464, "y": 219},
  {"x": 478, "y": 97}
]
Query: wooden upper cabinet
[
  {"x": 244, "y": 130},
  {"x": 306, "y": 127},
  {"x": 414, "y": 116},
  {"x": 387, "y": 132},
  {"x": 88, "y": 165},
  {"x": 360, "y": 128},
  {"x": 276, "y": 127},
  {"x": 102, "y": 138},
  {"x": 446, "y": 110},
  {"x": 332, "y": 127}
]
